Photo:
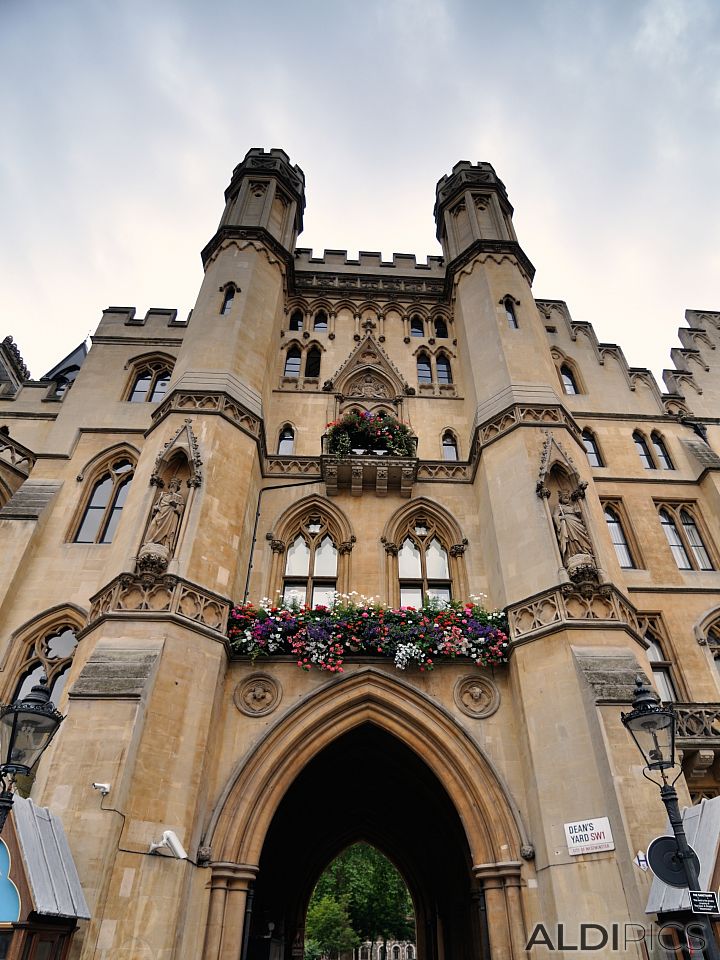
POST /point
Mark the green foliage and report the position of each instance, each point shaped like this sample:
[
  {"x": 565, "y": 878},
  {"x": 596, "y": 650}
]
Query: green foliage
[
  {"x": 370, "y": 431},
  {"x": 313, "y": 950},
  {"x": 328, "y": 925},
  {"x": 377, "y": 899}
]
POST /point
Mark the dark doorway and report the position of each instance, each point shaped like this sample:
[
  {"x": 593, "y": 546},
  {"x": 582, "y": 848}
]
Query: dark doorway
[{"x": 368, "y": 786}]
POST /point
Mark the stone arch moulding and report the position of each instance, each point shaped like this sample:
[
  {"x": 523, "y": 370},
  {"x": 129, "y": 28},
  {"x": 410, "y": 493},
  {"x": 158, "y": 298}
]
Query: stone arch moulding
[
  {"x": 24, "y": 636},
  {"x": 244, "y": 811},
  {"x": 107, "y": 454},
  {"x": 704, "y": 622}
]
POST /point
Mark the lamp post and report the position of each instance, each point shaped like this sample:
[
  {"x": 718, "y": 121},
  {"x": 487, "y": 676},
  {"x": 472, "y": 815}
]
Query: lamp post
[
  {"x": 26, "y": 728},
  {"x": 652, "y": 727}
]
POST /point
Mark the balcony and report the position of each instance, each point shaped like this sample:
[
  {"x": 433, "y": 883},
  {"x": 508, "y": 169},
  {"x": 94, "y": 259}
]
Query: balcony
[
  {"x": 364, "y": 451},
  {"x": 698, "y": 739}
]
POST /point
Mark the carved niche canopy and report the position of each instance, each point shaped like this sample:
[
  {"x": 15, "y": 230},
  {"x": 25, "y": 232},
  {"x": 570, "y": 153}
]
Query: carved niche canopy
[
  {"x": 368, "y": 374},
  {"x": 185, "y": 441}
]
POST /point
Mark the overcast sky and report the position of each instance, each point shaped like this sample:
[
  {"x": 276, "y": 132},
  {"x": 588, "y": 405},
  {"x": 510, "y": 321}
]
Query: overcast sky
[{"x": 122, "y": 122}]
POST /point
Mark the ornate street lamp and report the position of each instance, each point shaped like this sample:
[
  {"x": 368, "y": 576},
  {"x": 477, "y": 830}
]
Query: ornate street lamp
[
  {"x": 652, "y": 727},
  {"x": 26, "y": 728}
]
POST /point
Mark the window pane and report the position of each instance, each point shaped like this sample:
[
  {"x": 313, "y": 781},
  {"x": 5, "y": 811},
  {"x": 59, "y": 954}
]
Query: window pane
[
  {"x": 510, "y": 314},
  {"x": 296, "y": 321},
  {"x": 661, "y": 452},
  {"x": 439, "y": 593},
  {"x": 90, "y": 526},
  {"x": 643, "y": 452},
  {"x": 591, "y": 448},
  {"x": 60, "y": 645},
  {"x": 294, "y": 591},
  {"x": 321, "y": 320},
  {"x": 292, "y": 363},
  {"x": 664, "y": 684},
  {"x": 101, "y": 494},
  {"x": 161, "y": 385},
  {"x": 228, "y": 301},
  {"x": 120, "y": 498},
  {"x": 410, "y": 596},
  {"x": 323, "y": 594},
  {"x": 568, "y": 380},
  {"x": 673, "y": 539},
  {"x": 141, "y": 387},
  {"x": 28, "y": 682},
  {"x": 298, "y": 558},
  {"x": 441, "y": 329},
  {"x": 449, "y": 447},
  {"x": 59, "y": 684},
  {"x": 287, "y": 441},
  {"x": 617, "y": 535},
  {"x": 325, "y": 558},
  {"x": 417, "y": 327},
  {"x": 423, "y": 369},
  {"x": 436, "y": 561},
  {"x": 444, "y": 373},
  {"x": 409, "y": 560},
  {"x": 312, "y": 364},
  {"x": 695, "y": 540}
]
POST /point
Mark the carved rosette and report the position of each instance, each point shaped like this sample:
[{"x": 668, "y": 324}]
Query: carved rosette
[
  {"x": 257, "y": 695},
  {"x": 476, "y": 697}
]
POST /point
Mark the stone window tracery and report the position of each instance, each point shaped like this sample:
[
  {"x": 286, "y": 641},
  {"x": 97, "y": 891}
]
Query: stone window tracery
[
  {"x": 423, "y": 565},
  {"x": 104, "y": 505},
  {"x": 150, "y": 381},
  {"x": 311, "y": 564},
  {"x": 44, "y": 648},
  {"x": 681, "y": 528}
]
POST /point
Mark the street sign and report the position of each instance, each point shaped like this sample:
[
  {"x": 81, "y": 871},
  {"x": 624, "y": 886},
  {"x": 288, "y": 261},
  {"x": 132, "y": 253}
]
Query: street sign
[
  {"x": 589, "y": 836},
  {"x": 704, "y": 901},
  {"x": 641, "y": 861}
]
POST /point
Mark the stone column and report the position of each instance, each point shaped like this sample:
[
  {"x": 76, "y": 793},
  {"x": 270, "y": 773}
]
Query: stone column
[
  {"x": 229, "y": 885},
  {"x": 501, "y": 887}
]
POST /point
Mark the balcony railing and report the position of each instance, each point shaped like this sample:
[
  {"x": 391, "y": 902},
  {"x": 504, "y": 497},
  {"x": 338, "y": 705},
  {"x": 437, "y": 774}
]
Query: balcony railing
[
  {"x": 697, "y": 724},
  {"x": 365, "y": 469}
]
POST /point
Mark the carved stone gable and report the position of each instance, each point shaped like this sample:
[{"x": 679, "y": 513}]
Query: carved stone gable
[{"x": 369, "y": 373}]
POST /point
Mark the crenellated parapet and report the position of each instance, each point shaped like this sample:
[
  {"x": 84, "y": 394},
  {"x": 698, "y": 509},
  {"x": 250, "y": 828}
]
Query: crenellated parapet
[{"x": 694, "y": 375}]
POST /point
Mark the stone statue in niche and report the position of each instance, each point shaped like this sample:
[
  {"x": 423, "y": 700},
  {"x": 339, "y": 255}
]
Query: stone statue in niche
[
  {"x": 574, "y": 541},
  {"x": 162, "y": 530}
]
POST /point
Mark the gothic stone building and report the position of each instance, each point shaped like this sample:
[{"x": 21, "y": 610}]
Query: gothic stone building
[{"x": 549, "y": 476}]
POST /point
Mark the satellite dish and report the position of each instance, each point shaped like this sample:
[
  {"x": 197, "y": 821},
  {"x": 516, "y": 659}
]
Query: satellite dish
[{"x": 666, "y": 864}]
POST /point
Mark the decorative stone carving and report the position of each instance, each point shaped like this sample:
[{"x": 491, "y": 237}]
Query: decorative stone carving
[
  {"x": 368, "y": 386},
  {"x": 559, "y": 607},
  {"x": 458, "y": 549},
  {"x": 527, "y": 851},
  {"x": 183, "y": 439},
  {"x": 390, "y": 548},
  {"x": 476, "y": 696},
  {"x": 165, "y": 517},
  {"x": 277, "y": 546},
  {"x": 204, "y": 856},
  {"x": 257, "y": 695},
  {"x": 573, "y": 539},
  {"x": 346, "y": 545}
]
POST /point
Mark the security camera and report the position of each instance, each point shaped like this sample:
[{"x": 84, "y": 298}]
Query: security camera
[
  {"x": 172, "y": 842},
  {"x": 104, "y": 788}
]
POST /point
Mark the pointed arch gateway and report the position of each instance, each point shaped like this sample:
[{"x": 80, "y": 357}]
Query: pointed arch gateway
[{"x": 468, "y": 808}]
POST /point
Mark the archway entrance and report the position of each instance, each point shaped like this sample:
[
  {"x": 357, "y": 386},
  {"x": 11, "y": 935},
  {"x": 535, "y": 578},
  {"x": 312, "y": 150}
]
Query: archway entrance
[
  {"x": 366, "y": 757},
  {"x": 367, "y": 785}
]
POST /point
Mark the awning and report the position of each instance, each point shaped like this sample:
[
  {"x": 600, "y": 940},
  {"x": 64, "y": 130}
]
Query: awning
[
  {"x": 49, "y": 867},
  {"x": 702, "y": 828}
]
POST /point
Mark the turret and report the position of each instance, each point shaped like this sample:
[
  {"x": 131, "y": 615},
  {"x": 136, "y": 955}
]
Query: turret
[
  {"x": 265, "y": 200},
  {"x": 471, "y": 204}
]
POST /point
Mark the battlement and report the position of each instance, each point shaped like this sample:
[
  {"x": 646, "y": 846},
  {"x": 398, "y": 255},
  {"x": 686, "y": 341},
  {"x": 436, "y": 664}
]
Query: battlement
[{"x": 402, "y": 264}]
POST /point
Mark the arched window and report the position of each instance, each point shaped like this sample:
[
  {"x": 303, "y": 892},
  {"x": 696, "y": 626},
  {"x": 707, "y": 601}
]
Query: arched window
[
  {"x": 423, "y": 566},
  {"x": 643, "y": 450},
  {"x": 619, "y": 540},
  {"x": 321, "y": 321},
  {"x": 417, "y": 326},
  {"x": 292, "y": 362},
  {"x": 286, "y": 444},
  {"x": 424, "y": 370},
  {"x": 410, "y": 953},
  {"x": 675, "y": 541},
  {"x": 662, "y": 670},
  {"x": 228, "y": 300},
  {"x": 591, "y": 448},
  {"x": 663, "y": 457},
  {"x": 568, "y": 380},
  {"x": 296, "y": 320},
  {"x": 441, "y": 330},
  {"x": 150, "y": 383},
  {"x": 396, "y": 952},
  {"x": 510, "y": 314},
  {"x": 449, "y": 446},
  {"x": 444, "y": 372},
  {"x": 312, "y": 362},
  {"x": 64, "y": 380},
  {"x": 102, "y": 513},
  {"x": 311, "y": 564},
  {"x": 697, "y": 547},
  {"x": 46, "y": 652}
]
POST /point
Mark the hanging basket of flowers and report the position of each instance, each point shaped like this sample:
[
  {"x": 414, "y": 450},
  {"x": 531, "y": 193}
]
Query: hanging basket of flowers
[{"x": 359, "y": 433}]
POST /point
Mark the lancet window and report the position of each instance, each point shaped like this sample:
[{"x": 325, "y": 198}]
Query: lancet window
[
  {"x": 296, "y": 320},
  {"x": 441, "y": 330},
  {"x": 423, "y": 565},
  {"x": 591, "y": 448},
  {"x": 569, "y": 381},
  {"x": 286, "y": 442},
  {"x": 449, "y": 446},
  {"x": 321, "y": 321},
  {"x": 643, "y": 450},
  {"x": 228, "y": 298},
  {"x": 510, "y": 313},
  {"x": 684, "y": 538},
  {"x": 417, "y": 326},
  {"x": 424, "y": 370},
  {"x": 311, "y": 564},
  {"x": 618, "y": 537},
  {"x": 101, "y": 514},
  {"x": 662, "y": 670},
  {"x": 444, "y": 370},
  {"x": 661, "y": 453}
]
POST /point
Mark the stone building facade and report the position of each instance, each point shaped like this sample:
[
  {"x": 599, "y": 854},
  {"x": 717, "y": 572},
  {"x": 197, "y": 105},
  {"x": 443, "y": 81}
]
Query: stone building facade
[{"x": 152, "y": 482}]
